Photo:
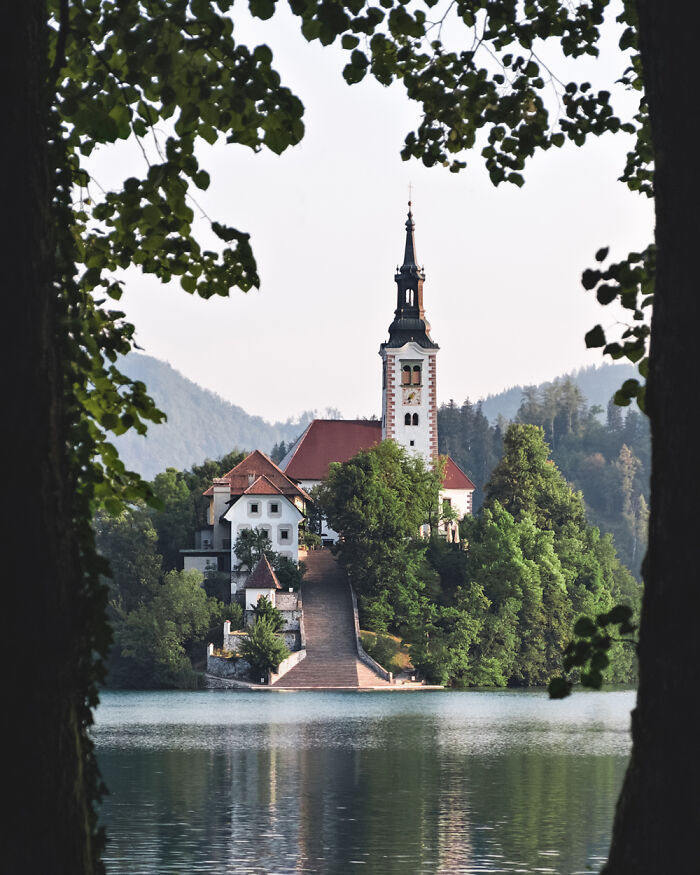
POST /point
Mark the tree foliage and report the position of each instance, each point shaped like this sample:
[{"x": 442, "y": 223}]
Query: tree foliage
[
  {"x": 153, "y": 642},
  {"x": 379, "y": 500},
  {"x": 264, "y": 610},
  {"x": 609, "y": 461},
  {"x": 263, "y": 648},
  {"x": 499, "y": 608}
]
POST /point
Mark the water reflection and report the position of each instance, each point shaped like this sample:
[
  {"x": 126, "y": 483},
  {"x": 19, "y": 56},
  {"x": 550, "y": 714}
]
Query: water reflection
[{"x": 452, "y": 783}]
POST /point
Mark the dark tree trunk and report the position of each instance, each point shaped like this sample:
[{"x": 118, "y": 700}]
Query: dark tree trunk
[
  {"x": 49, "y": 821},
  {"x": 657, "y": 824}
]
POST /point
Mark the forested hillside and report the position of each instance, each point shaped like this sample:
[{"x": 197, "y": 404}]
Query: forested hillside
[
  {"x": 598, "y": 383},
  {"x": 607, "y": 457},
  {"x": 201, "y": 425}
]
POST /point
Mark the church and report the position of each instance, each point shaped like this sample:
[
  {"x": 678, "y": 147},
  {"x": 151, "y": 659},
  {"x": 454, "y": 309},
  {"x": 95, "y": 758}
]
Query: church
[{"x": 257, "y": 493}]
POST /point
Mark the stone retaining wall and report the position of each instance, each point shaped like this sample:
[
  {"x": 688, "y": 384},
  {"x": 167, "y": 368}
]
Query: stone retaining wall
[
  {"x": 362, "y": 654},
  {"x": 233, "y": 667}
]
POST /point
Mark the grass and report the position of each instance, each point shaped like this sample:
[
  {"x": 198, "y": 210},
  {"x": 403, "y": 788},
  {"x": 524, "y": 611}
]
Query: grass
[{"x": 387, "y": 650}]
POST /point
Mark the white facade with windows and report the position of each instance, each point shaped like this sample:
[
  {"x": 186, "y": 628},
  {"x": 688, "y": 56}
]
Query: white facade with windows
[
  {"x": 275, "y": 515},
  {"x": 409, "y": 405}
]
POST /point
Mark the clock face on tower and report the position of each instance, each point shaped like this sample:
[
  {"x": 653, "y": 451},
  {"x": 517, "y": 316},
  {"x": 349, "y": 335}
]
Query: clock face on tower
[{"x": 411, "y": 395}]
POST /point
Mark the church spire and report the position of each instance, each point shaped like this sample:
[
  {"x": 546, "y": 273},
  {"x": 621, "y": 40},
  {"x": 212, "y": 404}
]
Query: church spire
[
  {"x": 409, "y": 317},
  {"x": 409, "y": 257}
]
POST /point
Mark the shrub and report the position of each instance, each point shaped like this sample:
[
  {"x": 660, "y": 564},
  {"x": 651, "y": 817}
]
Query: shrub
[{"x": 263, "y": 649}]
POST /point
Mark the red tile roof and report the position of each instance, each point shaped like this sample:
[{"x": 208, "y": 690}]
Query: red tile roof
[
  {"x": 262, "y": 486},
  {"x": 337, "y": 440},
  {"x": 455, "y": 478},
  {"x": 254, "y": 466},
  {"x": 263, "y": 577},
  {"x": 330, "y": 440}
]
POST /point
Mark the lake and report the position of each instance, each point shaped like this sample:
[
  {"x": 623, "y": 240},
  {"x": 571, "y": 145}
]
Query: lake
[{"x": 326, "y": 783}]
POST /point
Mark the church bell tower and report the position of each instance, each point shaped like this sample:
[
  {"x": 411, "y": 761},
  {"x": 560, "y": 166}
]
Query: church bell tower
[{"x": 409, "y": 402}]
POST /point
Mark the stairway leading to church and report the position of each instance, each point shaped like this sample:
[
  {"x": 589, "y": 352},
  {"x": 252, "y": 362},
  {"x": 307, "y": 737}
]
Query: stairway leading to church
[{"x": 329, "y": 625}]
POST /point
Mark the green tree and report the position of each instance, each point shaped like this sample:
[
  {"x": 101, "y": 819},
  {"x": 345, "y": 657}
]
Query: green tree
[
  {"x": 464, "y": 434},
  {"x": 250, "y": 546},
  {"x": 527, "y": 481},
  {"x": 129, "y": 543},
  {"x": 263, "y": 648},
  {"x": 174, "y": 521},
  {"x": 267, "y": 613},
  {"x": 289, "y": 573},
  {"x": 378, "y": 501},
  {"x": 153, "y": 641},
  {"x": 199, "y": 479}
]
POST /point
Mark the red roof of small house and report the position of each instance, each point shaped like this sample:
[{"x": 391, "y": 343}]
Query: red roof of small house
[
  {"x": 263, "y": 576},
  {"x": 330, "y": 440},
  {"x": 255, "y": 466},
  {"x": 262, "y": 486},
  {"x": 455, "y": 478}
]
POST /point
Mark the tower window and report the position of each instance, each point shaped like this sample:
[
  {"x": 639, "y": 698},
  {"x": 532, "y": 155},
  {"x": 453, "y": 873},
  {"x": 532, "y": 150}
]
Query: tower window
[
  {"x": 416, "y": 375},
  {"x": 406, "y": 375},
  {"x": 415, "y": 419},
  {"x": 407, "y": 419}
]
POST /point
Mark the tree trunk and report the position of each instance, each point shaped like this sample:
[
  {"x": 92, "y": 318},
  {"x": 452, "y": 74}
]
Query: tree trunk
[
  {"x": 50, "y": 821},
  {"x": 657, "y": 824}
]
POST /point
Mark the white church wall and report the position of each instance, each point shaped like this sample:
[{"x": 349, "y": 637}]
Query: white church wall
[
  {"x": 461, "y": 500},
  {"x": 400, "y": 400},
  {"x": 276, "y": 515}
]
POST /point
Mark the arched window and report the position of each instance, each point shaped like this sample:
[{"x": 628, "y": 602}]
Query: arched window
[
  {"x": 415, "y": 419},
  {"x": 406, "y": 375},
  {"x": 407, "y": 419},
  {"x": 416, "y": 375}
]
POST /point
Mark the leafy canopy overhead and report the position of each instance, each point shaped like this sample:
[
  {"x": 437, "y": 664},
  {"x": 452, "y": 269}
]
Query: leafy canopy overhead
[{"x": 169, "y": 74}]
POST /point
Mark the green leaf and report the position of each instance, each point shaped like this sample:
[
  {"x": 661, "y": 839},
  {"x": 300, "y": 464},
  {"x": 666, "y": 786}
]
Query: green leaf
[
  {"x": 262, "y": 8},
  {"x": 605, "y": 294},
  {"x": 595, "y": 337},
  {"x": 201, "y": 179},
  {"x": 590, "y": 278}
]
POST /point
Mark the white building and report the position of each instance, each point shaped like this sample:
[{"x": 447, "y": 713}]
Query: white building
[
  {"x": 254, "y": 494},
  {"x": 259, "y": 494},
  {"x": 409, "y": 402}
]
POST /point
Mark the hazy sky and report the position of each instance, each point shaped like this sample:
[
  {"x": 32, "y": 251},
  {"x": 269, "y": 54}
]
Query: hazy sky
[{"x": 326, "y": 219}]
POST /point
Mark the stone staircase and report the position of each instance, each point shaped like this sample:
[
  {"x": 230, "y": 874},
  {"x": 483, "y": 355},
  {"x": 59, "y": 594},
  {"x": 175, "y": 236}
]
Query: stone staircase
[{"x": 329, "y": 626}]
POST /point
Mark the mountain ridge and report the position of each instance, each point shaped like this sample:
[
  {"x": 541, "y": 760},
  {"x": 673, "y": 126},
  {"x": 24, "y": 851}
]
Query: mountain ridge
[{"x": 203, "y": 425}]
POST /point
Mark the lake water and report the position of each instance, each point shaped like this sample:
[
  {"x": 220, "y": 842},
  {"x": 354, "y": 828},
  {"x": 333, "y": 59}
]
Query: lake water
[{"x": 335, "y": 783}]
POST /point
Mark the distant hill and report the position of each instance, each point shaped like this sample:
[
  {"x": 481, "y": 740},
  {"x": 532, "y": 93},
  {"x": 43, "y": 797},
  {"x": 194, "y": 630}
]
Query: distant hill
[
  {"x": 201, "y": 425},
  {"x": 598, "y": 383}
]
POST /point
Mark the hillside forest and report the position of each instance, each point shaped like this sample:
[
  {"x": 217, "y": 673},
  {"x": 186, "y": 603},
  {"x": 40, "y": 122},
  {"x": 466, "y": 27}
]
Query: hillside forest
[
  {"x": 498, "y": 608},
  {"x": 603, "y": 453}
]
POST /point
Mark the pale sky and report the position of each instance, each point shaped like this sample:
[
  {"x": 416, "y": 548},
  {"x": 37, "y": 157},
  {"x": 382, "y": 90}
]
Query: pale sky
[{"x": 326, "y": 219}]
